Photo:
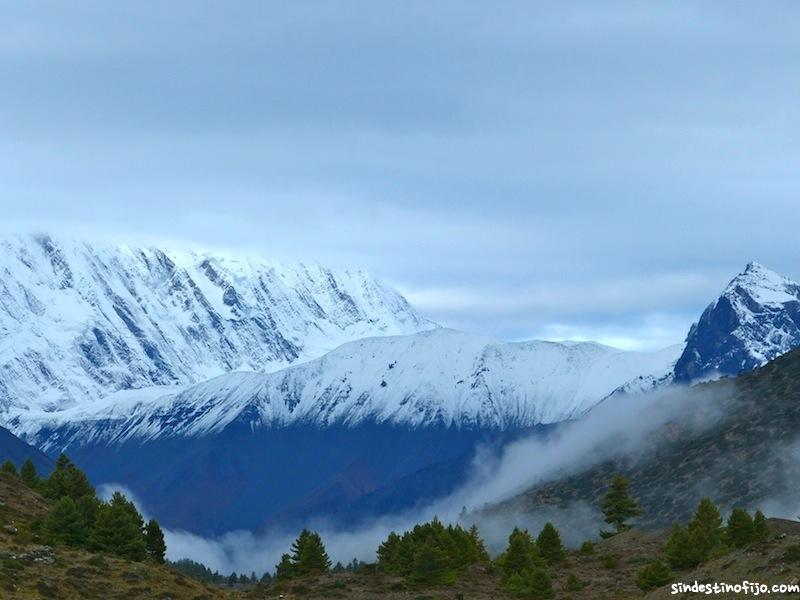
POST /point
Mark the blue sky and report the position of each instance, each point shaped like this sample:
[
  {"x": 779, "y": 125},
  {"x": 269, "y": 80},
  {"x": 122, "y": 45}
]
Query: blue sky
[{"x": 557, "y": 170}]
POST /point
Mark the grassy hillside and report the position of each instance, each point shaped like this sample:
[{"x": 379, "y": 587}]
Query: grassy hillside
[{"x": 31, "y": 570}]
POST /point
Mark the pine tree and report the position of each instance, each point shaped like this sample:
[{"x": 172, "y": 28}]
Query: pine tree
[
  {"x": 309, "y": 555},
  {"x": 154, "y": 542},
  {"x": 705, "y": 529},
  {"x": 119, "y": 529},
  {"x": 587, "y": 547},
  {"x": 431, "y": 566},
  {"x": 619, "y": 505},
  {"x": 740, "y": 528},
  {"x": 761, "y": 531},
  {"x": 541, "y": 586},
  {"x": 549, "y": 544},
  {"x": 654, "y": 575},
  {"x": 29, "y": 475},
  {"x": 8, "y": 467},
  {"x": 681, "y": 553},
  {"x": 389, "y": 554},
  {"x": 67, "y": 480},
  {"x": 521, "y": 556},
  {"x": 285, "y": 569},
  {"x": 66, "y": 525}
]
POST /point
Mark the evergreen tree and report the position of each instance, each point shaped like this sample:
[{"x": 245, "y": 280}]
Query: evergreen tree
[
  {"x": 119, "y": 529},
  {"x": 705, "y": 529},
  {"x": 681, "y": 554},
  {"x": 29, "y": 475},
  {"x": 740, "y": 528},
  {"x": 761, "y": 531},
  {"x": 389, "y": 554},
  {"x": 535, "y": 584},
  {"x": 308, "y": 554},
  {"x": 619, "y": 505},
  {"x": 154, "y": 542},
  {"x": 431, "y": 566},
  {"x": 285, "y": 569},
  {"x": 233, "y": 579},
  {"x": 521, "y": 556},
  {"x": 549, "y": 544},
  {"x": 8, "y": 467},
  {"x": 66, "y": 525},
  {"x": 654, "y": 575},
  {"x": 399, "y": 554},
  {"x": 67, "y": 480}
]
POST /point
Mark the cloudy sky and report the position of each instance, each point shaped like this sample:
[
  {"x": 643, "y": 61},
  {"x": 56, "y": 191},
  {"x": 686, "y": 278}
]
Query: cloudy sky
[{"x": 523, "y": 169}]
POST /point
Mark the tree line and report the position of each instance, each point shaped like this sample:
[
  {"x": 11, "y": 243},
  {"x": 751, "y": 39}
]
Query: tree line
[{"x": 433, "y": 554}]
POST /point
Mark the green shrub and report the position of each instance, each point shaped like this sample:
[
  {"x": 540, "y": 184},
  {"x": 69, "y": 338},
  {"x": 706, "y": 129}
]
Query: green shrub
[
  {"x": 653, "y": 575},
  {"x": 587, "y": 547},
  {"x": 609, "y": 561},
  {"x": 573, "y": 584}
]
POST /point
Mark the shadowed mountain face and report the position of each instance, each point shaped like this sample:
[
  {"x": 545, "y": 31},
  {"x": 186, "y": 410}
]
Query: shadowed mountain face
[
  {"x": 14, "y": 449},
  {"x": 750, "y": 456},
  {"x": 756, "y": 318},
  {"x": 246, "y": 479}
]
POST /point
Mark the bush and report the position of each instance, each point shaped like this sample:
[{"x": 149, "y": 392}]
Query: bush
[
  {"x": 573, "y": 584},
  {"x": 587, "y": 547},
  {"x": 535, "y": 584},
  {"x": 654, "y": 575},
  {"x": 609, "y": 561}
]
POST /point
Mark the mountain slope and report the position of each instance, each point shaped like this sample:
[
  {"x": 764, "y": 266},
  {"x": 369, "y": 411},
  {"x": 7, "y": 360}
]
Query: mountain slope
[
  {"x": 80, "y": 320},
  {"x": 755, "y": 319},
  {"x": 438, "y": 378},
  {"x": 748, "y": 456},
  {"x": 14, "y": 449}
]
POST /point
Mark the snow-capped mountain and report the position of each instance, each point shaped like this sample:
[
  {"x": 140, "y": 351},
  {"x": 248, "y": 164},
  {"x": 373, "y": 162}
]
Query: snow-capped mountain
[
  {"x": 755, "y": 319},
  {"x": 439, "y": 377},
  {"x": 79, "y": 321}
]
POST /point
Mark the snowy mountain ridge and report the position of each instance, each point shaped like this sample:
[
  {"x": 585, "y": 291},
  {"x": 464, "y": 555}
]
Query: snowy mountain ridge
[
  {"x": 440, "y": 377},
  {"x": 79, "y": 321},
  {"x": 756, "y": 318}
]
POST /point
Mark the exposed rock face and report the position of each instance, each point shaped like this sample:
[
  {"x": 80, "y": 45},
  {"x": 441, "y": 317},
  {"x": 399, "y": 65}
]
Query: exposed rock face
[{"x": 755, "y": 319}]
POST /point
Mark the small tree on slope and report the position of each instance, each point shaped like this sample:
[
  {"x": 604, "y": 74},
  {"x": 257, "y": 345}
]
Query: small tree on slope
[
  {"x": 154, "y": 541},
  {"x": 619, "y": 505}
]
